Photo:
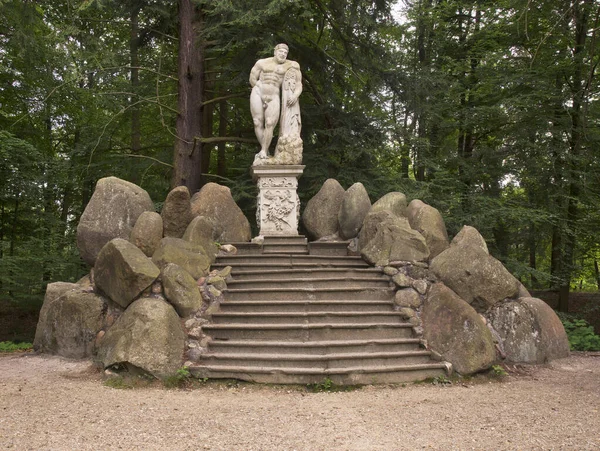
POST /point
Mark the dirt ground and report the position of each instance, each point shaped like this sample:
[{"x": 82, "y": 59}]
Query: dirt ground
[{"x": 49, "y": 403}]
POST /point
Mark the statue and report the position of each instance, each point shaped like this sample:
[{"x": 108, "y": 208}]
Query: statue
[{"x": 267, "y": 78}]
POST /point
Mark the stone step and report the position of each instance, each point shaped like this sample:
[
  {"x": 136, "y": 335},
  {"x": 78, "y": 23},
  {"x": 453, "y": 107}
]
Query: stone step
[
  {"x": 306, "y": 306},
  {"x": 306, "y": 282},
  {"x": 312, "y": 273},
  {"x": 328, "y": 247},
  {"x": 308, "y": 332},
  {"x": 275, "y": 249},
  {"x": 247, "y": 248},
  {"x": 270, "y": 318},
  {"x": 312, "y": 294},
  {"x": 314, "y": 347},
  {"x": 336, "y": 360},
  {"x": 284, "y": 240},
  {"x": 341, "y": 376},
  {"x": 290, "y": 260}
]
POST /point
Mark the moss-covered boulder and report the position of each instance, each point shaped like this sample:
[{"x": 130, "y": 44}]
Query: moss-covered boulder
[
  {"x": 147, "y": 232},
  {"x": 456, "y": 331},
  {"x": 189, "y": 256},
  {"x": 394, "y": 202},
  {"x": 320, "y": 216},
  {"x": 149, "y": 336},
  {"x": 123, "y": 271},
  {"x": 428, "y": 222},
  {"x": 181, "y": 290},
  {"x": 355, "y": 206},
  {"x": 203, "y": 232},
  {"x": 176, "y": 212}
]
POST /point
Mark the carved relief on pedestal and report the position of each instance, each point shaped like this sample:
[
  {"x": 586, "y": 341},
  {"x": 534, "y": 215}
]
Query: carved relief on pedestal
[
  {"x": 278, "y": 182},
  {"x": 277, "y": 206}
]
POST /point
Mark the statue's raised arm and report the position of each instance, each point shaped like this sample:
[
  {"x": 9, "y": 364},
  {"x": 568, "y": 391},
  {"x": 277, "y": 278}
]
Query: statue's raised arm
[{"x": 268, "y": 78}]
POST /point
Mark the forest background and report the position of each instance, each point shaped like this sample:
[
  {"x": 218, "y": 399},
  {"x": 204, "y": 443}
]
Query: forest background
[{"x": 487, "y": 110}]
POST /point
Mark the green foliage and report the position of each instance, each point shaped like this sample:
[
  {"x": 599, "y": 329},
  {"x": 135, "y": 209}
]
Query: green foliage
[
  {"x": 581, "y": 334},
  {"x": 9, "y": 346},
  {"x": 180, "y": 379},
  {"x": 498, "y": 371},
  {"x": 119, "y": 383}
]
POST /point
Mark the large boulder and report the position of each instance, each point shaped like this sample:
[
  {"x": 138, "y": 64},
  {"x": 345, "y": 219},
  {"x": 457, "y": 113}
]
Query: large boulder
[
  {"x": 123, "y": 271},
  {"x": 475, "y": 276},
  {"x": 181, "y": 290},
  {"x": 176, "y": 212},
  {"x": 395, "y": 202},
  {"x": 395, "y": 240},
  {"x": 320, "y": 216},
  {"x": 111, "y": 213},
  {"x": 455, "y": 330},
  {"x": 189, "y": 256},
  {"x": 428, "y": 222},
  {"x": 69, "y": 321},
  {"x": 149, "y": 335},
  {"x": 369, "y": 228},
  {"x": 214, "y": 202},
  {"x": 470, "y": 236},
  {"x": 203, "y": 232},
  {"x": 529, "y": 330},
  {"x": 355, "y": 206},
  {"x": 147, "y": 232}
]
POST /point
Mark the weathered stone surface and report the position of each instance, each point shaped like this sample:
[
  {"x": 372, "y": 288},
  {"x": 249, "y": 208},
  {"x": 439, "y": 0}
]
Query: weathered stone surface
[
  {"x": 122, "y": 271},
  {"x": 475, "y": 276},
  {"x": 395, "y": 240},
  {"x": 390, "y": 271},
  {"x": 420, "y": 285},
  {"x": 217, "y": 282},
  {"x": 148, "y": 335},
  {"x": 428, "y": 222},
  {"x": 523, "y": 292},
  {"x": 369, "y": 228},
  {"x": 407, "y": 313},
  {"x": 320, "y": 216},
  {"x": 203, "y": 232},
  {"x": 456, "y": 331},
  {"x": 111, "y": 213},
  {"x": 176, "y": 212},
  {"x": 355, "y": 206},
  {"x": 181, "y": 290},
  {"x": 470, "y": 236},
  {"x": 407, "y": 298},
  {"x": 214, "y": 202},
  {"x": 189, "y": 256},
  {"x": 393, "y": 202},
  {"x": 402, "y": 280},
  {"x": 69, "y": 321},
  {"x": 147, "y": 232},
  {"x": 529, "y": 330}
]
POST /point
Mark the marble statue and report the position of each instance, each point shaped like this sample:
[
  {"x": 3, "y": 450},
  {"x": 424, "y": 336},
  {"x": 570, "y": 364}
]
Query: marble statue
[{"x": 276, "y": 85}]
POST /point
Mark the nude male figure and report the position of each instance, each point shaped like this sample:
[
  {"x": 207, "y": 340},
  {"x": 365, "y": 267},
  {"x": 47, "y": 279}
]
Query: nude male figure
[{"x": 266, "y": 78}]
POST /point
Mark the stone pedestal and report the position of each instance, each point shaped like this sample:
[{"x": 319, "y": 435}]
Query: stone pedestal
[{"x": 278, "y": 206}]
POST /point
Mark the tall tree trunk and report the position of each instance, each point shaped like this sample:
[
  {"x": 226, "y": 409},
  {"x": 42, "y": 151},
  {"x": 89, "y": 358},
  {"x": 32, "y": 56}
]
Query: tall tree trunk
[
  {"x": 207, "y": 127},
  {"x": 187, "y": 169},
  {"x": 221, "y": 157},
  {"x": 135, "y": 83}
]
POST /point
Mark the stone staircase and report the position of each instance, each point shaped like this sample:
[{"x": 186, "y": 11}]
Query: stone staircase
[{"x": 299, "y": 313}]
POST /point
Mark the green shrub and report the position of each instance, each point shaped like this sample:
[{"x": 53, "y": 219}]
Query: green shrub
[
  {"x": 581, "y": 334},
  {"x": 9, "y": 346}
]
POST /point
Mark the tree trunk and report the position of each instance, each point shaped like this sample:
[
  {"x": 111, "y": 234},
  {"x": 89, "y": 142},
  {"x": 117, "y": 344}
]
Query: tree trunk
[
  {"x": 187, "y": 169},
  {"x": 135, "y": 83},
  {"x": 221, "y": 158}
]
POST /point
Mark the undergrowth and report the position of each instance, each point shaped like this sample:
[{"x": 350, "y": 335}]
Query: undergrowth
[
  {"x": 327, "y": 385},
  {"x": 11, "y": 346},
  {"x": 581, "y": 335}
]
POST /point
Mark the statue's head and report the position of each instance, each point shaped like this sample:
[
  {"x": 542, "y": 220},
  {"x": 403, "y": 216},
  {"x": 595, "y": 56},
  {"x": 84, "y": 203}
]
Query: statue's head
[{"x": 281, "y": 52}]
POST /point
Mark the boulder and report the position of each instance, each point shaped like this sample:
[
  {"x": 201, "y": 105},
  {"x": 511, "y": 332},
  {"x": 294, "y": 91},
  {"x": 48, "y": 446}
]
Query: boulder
[
  {"x": 369, "y": 228},
  {"x": 455, "y": 330},
  {"x": 407, "y": 298},
  {"x": 181, "y": 290},
  {"x": 122, "y": 271},
  {"x": 428, "y": 222},
  {"x": 529, "y": 331},
  {"x": 189, "y": 256},
  {"x": 214, "y": 202},
  {"x": 393, "y": 202},
  {"x": 475, "y": 276},
  {"x": 147, "y": 232},
  {"x": 355, "y": 206},
  {"x": 176, "y": 212},
  {"x": 148, "y": 336},
  {"x": 470, "y": 236},
  {"x": 203, "y": 232},
  {"x": 393, "y": 241},
  {"x": 320, "y": 216},
  {"x": 69, "y": 321},
  {"x": 111, "y": 213}
]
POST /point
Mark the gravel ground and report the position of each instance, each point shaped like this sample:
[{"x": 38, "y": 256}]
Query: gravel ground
[{"x": 49, "y": 403}]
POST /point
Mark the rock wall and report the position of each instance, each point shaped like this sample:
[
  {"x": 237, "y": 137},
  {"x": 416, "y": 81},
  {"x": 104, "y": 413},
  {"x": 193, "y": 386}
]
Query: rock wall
[{"x": 150, "y": 285}]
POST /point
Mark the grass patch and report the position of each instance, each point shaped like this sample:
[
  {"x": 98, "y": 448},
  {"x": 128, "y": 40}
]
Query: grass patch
[{"x": 11, "y": 346}]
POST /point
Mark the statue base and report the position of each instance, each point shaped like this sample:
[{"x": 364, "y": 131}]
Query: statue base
[{"x": 278, "y": 205}]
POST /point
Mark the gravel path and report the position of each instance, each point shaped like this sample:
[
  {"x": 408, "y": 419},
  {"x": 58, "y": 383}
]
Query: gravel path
[{"x": 49, "y": 403}]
